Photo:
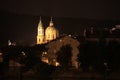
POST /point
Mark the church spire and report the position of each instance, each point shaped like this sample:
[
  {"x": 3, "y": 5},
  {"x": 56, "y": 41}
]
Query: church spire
[
  {"x": 51, "y": 22},
  {"x": 40, "y": 22},
  {"x": 40, "y": 28}
]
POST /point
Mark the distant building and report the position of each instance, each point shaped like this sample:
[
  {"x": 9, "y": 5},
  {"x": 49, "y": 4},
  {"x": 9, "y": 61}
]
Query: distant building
[
  {"x": 104, "y": 34},
  {"x": 50, "y": 33}
]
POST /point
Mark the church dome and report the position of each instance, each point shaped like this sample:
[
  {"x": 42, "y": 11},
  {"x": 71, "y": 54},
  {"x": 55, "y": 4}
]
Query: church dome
[
  {"x": 51, "y": 32},
  {"x": 51, "y": 26},
  {"x": 50, "y": 29}
]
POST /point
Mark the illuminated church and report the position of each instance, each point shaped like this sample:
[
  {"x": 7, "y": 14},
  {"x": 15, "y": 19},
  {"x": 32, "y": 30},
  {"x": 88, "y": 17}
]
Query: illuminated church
[{"x": 48, "y": 34}]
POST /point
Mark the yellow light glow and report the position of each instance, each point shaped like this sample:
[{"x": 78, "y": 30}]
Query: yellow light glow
[
  {"x": 45, "y": 60},
  {"x": 57, "y": 64},
  {"x": 44, "y": 53}
]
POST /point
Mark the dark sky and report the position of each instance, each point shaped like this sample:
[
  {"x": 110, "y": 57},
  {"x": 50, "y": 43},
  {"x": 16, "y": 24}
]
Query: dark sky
[
  {"x": 19, "y": 18},
  {"x": 96, "y": 9}
]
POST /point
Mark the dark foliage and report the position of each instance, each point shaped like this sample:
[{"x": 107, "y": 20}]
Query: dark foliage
[
  {"x": 102, "y": 56},
  {"x": 64, "y": 56}
]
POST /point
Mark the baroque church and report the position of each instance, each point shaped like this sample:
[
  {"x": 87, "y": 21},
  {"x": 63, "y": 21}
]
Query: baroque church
[{"x": 48, "y": 34}]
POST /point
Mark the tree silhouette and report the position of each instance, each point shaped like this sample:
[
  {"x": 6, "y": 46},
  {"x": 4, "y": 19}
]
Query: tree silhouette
[
  {"x": 112, "y": 55},
  {"x": 90, "y": 55},
  {"x": 64, "y": 56}
]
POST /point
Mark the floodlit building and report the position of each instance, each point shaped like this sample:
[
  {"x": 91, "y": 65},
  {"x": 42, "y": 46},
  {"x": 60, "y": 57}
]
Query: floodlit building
[{"x": 50, "y": 33}]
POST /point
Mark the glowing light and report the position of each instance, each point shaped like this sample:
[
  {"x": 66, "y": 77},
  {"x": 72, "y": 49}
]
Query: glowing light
[
  {"x": 44, "y": 57},
  {"x": 23, "y": 53},
  {"x": 69, "y": 35},
  {"x": 57, "y": 64},
  {"x": 60, "y": 40},
  {"x": 44, "y": 53},
  {"x": 45, "y": 60},
  {"x": 1, "y": 57},
  {"x": 1, "y": 54}
]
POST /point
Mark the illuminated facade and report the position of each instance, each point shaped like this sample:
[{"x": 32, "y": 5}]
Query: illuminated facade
[{"x": 44, "y": 36}]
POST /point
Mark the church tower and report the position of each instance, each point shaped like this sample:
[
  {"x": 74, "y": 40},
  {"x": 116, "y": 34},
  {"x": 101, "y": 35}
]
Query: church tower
[{"x": 40, "y": 33}]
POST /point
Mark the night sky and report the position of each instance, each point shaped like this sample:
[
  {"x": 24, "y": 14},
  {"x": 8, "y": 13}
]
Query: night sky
[{"x": 19, "y": 18}]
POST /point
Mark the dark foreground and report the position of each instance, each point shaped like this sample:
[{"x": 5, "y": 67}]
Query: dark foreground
[
  {"x": 82, "y": 76},
  {"x": 59, "y": 75}
]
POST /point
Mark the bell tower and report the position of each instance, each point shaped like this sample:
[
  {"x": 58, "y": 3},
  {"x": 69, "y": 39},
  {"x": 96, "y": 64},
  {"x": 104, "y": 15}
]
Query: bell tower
[{"x": 40, "y": 33}]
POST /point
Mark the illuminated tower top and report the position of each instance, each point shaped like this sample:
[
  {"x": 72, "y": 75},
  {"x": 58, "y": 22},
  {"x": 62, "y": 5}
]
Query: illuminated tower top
[
  {"x": 51, "y": 32},
  {"x": 51, "y": 22},
  {"x": 40, "y": 28}
]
